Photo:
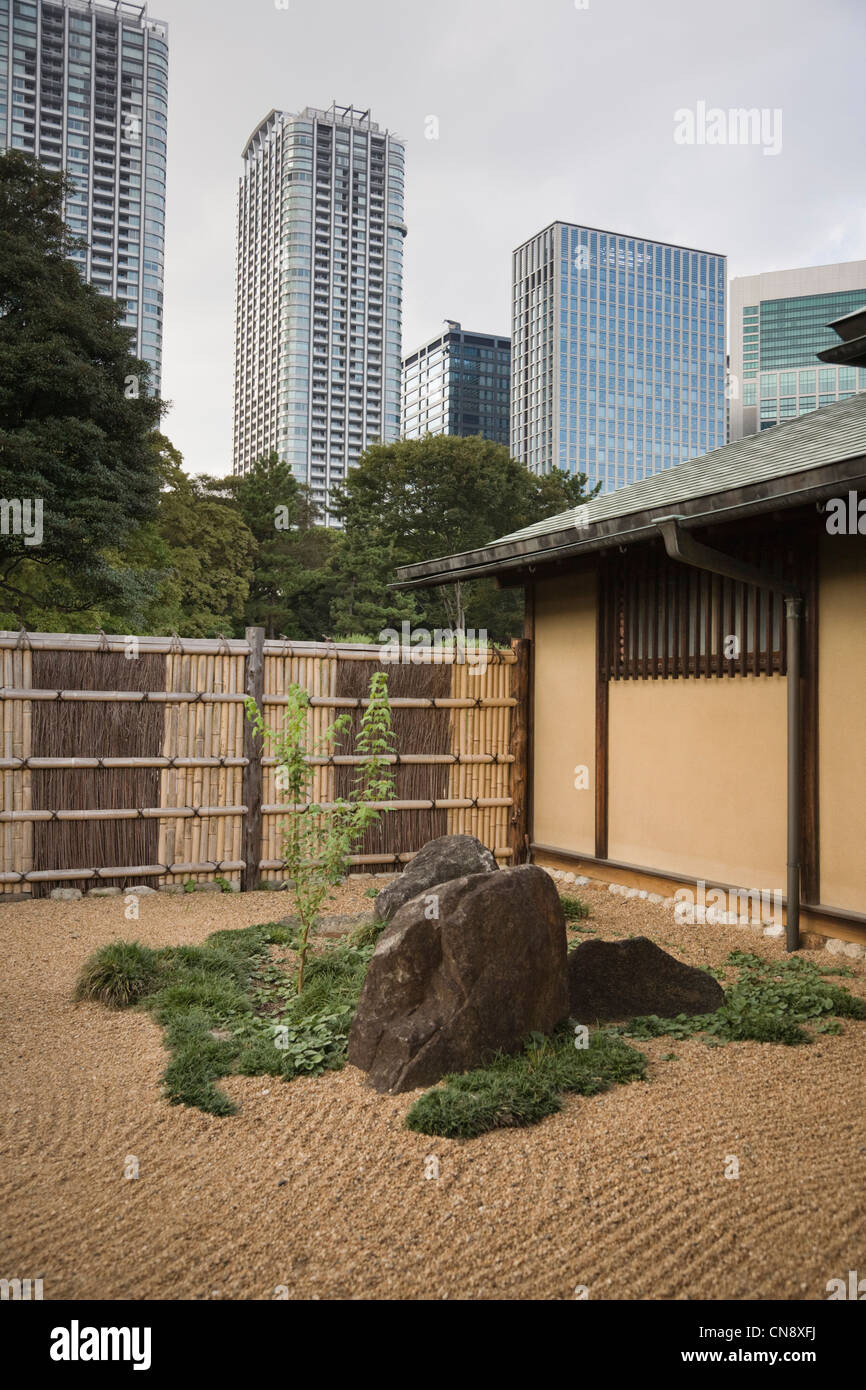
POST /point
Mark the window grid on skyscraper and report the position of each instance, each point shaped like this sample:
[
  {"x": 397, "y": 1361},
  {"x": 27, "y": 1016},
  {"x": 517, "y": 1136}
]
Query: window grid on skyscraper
[
  {"x": 84, "y": 87},
  {"x": 319, "y": 293}
]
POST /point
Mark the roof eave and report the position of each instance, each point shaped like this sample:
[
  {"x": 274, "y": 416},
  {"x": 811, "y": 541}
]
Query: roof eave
[{"x": 813, "y": 485}]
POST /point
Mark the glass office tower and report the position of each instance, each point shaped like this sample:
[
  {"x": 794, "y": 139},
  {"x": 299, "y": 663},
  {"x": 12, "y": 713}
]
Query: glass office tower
[
  {"x": 458, "y": 383},
  {"x": 618, "y": 354},
  {"x": 319, "y": 293},
  {"x": 84, "y": 87},
  {"x": 779, "y": 323}
]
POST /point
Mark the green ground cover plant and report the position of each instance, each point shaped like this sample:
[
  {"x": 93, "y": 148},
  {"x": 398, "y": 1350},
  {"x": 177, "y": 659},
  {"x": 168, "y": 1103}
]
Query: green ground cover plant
[
  {"x": 769, "y": 1001},
  {"x": 230, "y": 1007},
  {"x": 523, "y": 1089}
]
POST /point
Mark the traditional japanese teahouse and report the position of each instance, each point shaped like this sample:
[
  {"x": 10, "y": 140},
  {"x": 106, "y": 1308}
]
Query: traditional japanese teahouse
[{"x": 698, "y": 673}]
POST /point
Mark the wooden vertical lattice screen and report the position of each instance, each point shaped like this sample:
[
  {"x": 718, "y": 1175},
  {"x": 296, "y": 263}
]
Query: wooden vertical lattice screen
[
  {"x": 125, "y": 760},
  {"x": 663, "y": 619}
]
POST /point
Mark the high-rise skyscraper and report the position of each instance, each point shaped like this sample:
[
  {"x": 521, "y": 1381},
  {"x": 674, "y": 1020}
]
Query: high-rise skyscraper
[
  {"x": 319, "y": 292},
  {"x": 84, "y": 87},
  {"x": 458, "y": 383},
  {"x": 617, "y": 354},
  {"x": 779, "y": 323}
]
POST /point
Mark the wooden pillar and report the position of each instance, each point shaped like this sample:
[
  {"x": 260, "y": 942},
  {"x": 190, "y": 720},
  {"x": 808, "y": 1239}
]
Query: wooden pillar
[
  {"x": 601, "y": 715},
  {"x": 252, "y": 782},
  {"x": 810, "y": 867},
  {"x": 520, "y": 749}
]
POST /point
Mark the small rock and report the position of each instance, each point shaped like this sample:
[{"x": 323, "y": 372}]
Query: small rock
[
  {"x": 171, "y": 888},
  {"x": 440, "y": 861},
  {"x": 15, "y": 898},
  {"x": 655, "y": 898},
  {"x": 568, "y": 878},
  {"x": 104, "y": 893},
  {"x": 141, "y": 890},
  {"x": 581, "y": 881},
  {"x": 643, "y": 894},
  {"x": 834, "y": 945},
  {"x": 208, "y": 888},
  {"x": 66, "y": 895},
  {"x": 853, "y": 950},
  {"x": 774, "y": 931},
  {"x": 632, "y": 893}
]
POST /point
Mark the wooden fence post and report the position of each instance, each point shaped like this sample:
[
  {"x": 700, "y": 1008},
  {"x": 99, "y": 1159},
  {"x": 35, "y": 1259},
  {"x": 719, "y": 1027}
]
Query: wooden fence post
[
  {"x": 520, "y": 736},
  {"x": 252, "y": 781}
]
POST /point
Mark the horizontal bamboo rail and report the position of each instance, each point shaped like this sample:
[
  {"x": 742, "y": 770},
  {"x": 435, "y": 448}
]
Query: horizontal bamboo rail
[
  {"x": 335, "y": 760},
  {"x": 13, "y": 764},
  {"x": 442, "y": 804},
  {"x": 126, "y": 813},
  {"x": 124, "y": 871},
  {"x": 401, "y": 759},
  {"x": 271, "y": 865},
  {"x": 385, "y": 653},
  {"x": 210, "y": 697}
]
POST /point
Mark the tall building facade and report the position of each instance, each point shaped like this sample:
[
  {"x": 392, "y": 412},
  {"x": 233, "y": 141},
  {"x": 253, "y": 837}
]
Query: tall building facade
[
  {"x": 319, "y": 293},
  {"x": 458, "y": 383},
  {"x": 618, "y": 354},
  {"x": 779, "y": 323},
  {"x": 84, "y": 87}
]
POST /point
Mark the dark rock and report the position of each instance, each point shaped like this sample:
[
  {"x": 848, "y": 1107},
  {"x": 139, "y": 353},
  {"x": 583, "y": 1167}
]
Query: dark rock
[
  {"x": 451, "y": 856},
  {"x": 609, "y": 980},
  {"x": 445, "y": 991},
  {"x": 337, "y": 924}
]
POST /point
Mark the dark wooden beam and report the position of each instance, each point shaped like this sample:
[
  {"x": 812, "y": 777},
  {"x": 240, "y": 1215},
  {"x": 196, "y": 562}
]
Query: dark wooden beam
[
  {"x": 252, "y": 781},
  {"x": 601, "y": 719},
  {"x": 810, "y": 800},
  {"x": 520, "y": 751}
]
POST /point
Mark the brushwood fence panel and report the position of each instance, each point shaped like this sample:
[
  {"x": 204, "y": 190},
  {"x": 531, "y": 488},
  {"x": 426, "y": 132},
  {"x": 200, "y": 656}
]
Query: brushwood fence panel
[{"x": 124, "y": 759}]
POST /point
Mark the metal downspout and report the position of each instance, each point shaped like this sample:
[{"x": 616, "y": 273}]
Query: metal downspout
[{"x": 683, "y": 547}]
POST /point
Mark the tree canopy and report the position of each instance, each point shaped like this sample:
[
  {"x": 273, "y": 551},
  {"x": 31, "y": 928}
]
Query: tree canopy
[
  {"x": 418, "y": 499},
  {"x": 75, "y": 412}
]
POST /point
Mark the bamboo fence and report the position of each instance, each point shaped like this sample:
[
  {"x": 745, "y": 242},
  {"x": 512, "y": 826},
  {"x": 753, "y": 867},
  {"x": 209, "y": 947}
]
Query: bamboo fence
[{"x": 130, "y": 760}]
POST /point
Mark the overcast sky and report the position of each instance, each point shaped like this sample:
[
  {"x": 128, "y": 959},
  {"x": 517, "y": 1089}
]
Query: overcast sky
[{"x": 546, "y": 111}]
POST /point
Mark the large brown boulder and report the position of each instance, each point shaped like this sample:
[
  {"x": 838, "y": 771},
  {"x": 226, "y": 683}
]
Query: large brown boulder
[
  {"x": 611, "y": 980},
  {"x": 468, "y": 969},
  {"x": 451, "y": 856}
]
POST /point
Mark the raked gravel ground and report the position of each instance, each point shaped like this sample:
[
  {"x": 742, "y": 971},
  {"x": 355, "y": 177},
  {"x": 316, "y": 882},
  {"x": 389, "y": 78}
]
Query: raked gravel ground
[{"x": 315, "y": 1188}]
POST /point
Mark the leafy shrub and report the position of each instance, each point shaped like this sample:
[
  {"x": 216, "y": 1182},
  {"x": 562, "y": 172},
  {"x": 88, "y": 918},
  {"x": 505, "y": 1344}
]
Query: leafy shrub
[
  {"x": 316, "y": 842},
  {"x": 770, "y": 1002}
]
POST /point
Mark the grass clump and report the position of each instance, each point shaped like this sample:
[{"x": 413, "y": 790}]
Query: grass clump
[
  {"x": 368, "y": 933},
  {"x": 523, "y": 1089},
  {"x": 118, "y": 975},
  {"x": 770, "y": 1001},
  {"x": 574, "y": 909}
]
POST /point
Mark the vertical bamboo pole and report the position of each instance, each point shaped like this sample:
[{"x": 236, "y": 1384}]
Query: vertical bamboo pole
[
  {"x": 255, "y": 688},
  {"x": 520, "y": 750}
]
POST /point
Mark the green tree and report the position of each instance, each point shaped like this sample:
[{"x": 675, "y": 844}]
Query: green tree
[
  {"x": 418, "y": 499},
  {"x": 292, "y": 587},
  {"x": 75, "y": 416},
  {"x": 210, "y": 556},
  {"x": 319, "y": 840}
]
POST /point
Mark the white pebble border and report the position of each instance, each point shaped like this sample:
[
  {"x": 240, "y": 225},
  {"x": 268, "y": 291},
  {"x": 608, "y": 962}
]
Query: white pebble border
[{"x": 852, "y": 949}]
